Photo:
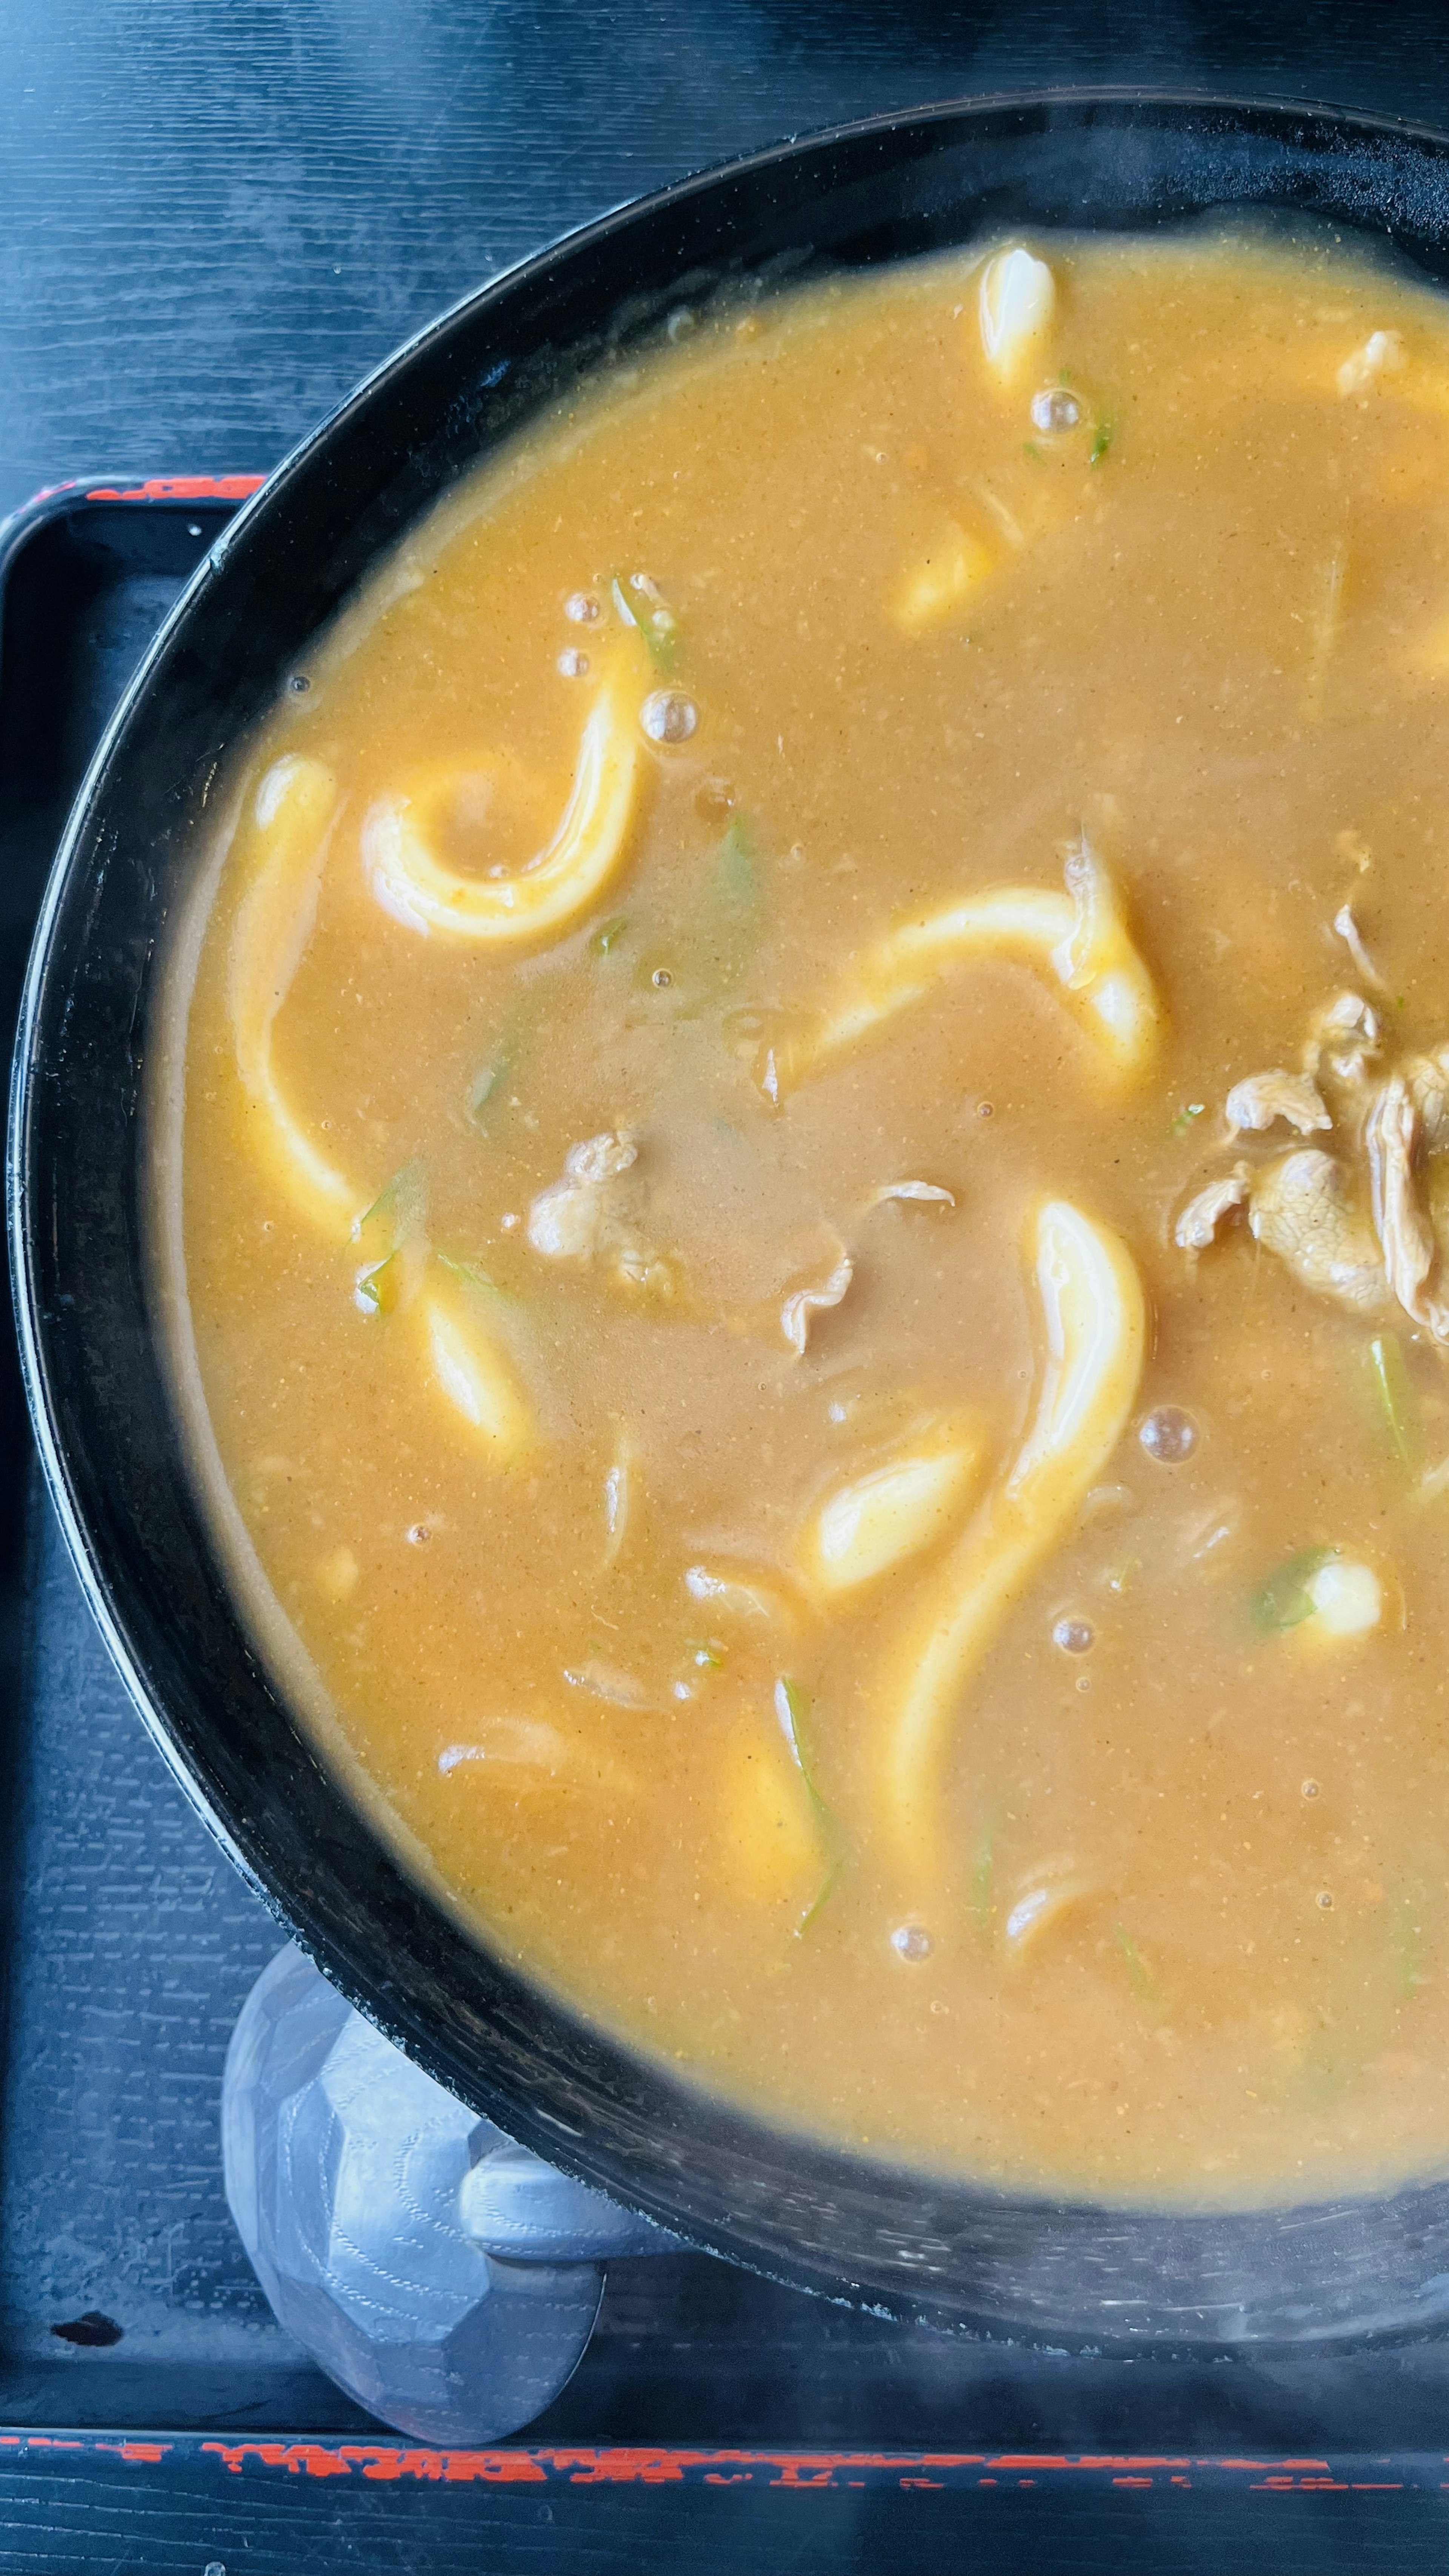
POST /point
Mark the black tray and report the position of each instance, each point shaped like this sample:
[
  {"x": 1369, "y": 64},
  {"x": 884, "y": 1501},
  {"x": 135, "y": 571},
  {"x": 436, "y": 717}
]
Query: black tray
[{"x": 709, "y": 2403}]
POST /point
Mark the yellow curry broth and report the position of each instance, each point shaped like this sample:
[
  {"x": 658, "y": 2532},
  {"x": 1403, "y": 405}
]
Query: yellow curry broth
[{"x": 1152, "y": 1901}]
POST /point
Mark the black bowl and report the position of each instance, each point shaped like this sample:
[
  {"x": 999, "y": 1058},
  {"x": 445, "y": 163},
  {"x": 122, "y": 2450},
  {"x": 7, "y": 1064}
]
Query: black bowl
[{"x": 822, "y": 2219}]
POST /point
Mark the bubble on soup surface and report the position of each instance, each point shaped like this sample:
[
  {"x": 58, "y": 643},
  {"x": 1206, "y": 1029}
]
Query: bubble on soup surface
[
  {"x": 1055, "y": 409},
  {"x": 573, "y": 665},
  {"x": 1072, "y": 1635},
  {"x": 910, "y": 1942},
  {"x": 668, "y": 715},
  {"x": 1168, "y": 1435},
  {"x": 582, "y": 609}
]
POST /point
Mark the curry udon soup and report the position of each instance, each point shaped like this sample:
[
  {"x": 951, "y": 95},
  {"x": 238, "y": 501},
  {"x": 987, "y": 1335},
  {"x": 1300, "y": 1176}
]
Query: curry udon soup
[{"x": 805, "y": 1184}]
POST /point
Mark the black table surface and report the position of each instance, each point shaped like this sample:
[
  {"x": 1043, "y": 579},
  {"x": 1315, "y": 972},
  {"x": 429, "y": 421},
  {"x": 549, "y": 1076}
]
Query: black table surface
[{"x": 217, "y": 215}]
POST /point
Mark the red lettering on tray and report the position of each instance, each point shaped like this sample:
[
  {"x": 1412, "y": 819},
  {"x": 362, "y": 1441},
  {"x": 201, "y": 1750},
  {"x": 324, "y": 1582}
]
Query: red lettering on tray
[
  {"x": 624, "y": 2468},
  {"x": 802, "y": 2471},
  {"x": 1110, "y": 2460},
  {"x": 1299, "y": 2486},
  {"x": 183, "y": 487},
  {"x": 499, "y": 2468},
  {"x": 309, "y": 2459},
  {"x": 383, "y": 2461}
]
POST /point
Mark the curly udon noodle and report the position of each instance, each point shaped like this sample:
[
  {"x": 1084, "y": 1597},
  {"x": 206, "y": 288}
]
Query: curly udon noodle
[
  {"x": 282, "y": 844},
  {"x": 419, "y": 889},
  {"x": 1079, "y": 939},
  {"x": 1094, "y": 1330},
  {"x": 873, "y": 1522},
  {"x": 284, "y": 838},
  {"x": 1016, "y": 305}
]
